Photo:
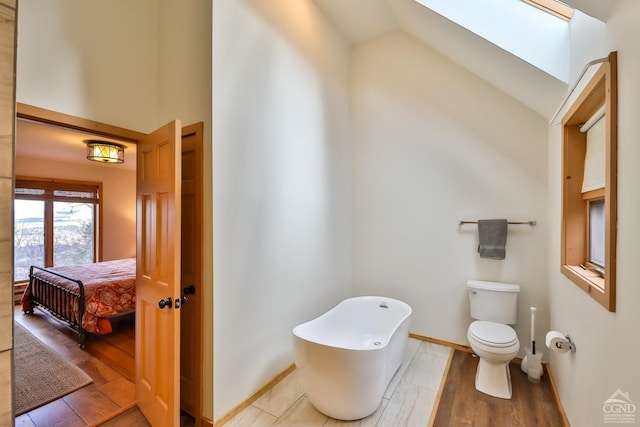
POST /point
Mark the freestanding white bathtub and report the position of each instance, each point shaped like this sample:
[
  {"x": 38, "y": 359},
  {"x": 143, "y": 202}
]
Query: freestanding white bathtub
[{"x": 347, "y": 356}]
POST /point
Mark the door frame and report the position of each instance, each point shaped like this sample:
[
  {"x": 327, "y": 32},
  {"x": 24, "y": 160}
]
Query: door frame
[
  {"x": 54, "y": 118},
  {"x": 197, "y": 132}
]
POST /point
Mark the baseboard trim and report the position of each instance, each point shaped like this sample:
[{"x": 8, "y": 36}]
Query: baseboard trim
[
  {"x": 451, "y": 344},
  {"x": 565, "y": 419},
  {"x": 255, "y": 396},
  {"x": 441, "y": 342}
]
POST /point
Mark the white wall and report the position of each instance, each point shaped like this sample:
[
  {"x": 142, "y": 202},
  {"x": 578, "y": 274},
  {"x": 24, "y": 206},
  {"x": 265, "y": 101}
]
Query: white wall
[
  {"x": 282, "y": 185},
  {"x": 91, "y": 59},
  {"x": 185, "y": 62},
  {"x": 587, "y": 36},
  {"x": 434, "y": 144},
  {"x": 118, "y": 204},
  {"x": 607, "y": 356}
]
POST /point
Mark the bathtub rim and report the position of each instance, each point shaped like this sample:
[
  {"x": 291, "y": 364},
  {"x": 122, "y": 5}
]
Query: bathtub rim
[{"x": 405, "y": 318}]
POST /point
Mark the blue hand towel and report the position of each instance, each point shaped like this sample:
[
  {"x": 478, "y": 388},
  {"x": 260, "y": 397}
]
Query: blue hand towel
[{"x": 492, "y": 238}]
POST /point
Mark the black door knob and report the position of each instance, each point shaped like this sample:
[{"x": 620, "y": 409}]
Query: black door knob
[
  {"x": 189, "y": 290},
  {"x": 165, "y": 303}
]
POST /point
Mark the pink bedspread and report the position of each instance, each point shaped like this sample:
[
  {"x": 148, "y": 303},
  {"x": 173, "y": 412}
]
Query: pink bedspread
[{"x": 110, "y": 289}]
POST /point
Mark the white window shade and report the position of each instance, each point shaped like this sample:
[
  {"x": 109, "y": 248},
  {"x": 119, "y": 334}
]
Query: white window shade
[
  {"x": 597, "y": 233},
  {"x": 595, "y": 158}
]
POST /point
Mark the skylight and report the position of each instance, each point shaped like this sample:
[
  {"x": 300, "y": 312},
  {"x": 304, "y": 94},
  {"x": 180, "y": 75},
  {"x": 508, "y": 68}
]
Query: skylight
[
  {"x": 530, "y": 33},
  {"x": 553, "y": 7}
]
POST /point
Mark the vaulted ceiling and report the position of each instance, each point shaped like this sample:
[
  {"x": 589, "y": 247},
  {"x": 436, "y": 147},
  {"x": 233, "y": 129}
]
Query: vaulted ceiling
[
  {"x": 537, "y": 87},
  {"x": 362, "y": 20}
]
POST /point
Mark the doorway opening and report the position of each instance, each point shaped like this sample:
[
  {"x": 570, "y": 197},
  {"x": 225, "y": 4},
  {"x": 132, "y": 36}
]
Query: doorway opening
[{"x": 191, "y": 315}]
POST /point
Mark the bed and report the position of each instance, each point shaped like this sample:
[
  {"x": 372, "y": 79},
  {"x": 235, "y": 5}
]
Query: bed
[{"x": 87, "y": 297}]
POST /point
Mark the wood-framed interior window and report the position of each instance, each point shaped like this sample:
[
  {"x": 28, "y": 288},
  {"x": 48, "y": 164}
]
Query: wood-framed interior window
[
  {"x": 588, "y": 241},
  {"x": 56, "y": 222}
]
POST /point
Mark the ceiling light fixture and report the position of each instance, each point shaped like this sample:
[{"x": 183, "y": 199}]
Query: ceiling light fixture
[{"x": 104, "y": 151}]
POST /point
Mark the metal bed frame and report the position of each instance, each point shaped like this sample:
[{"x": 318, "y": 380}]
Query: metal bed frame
[{"x": 57, "y": 300}]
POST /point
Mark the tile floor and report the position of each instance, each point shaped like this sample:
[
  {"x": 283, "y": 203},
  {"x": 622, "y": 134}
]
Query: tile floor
[{"x": 408, "y": 401}]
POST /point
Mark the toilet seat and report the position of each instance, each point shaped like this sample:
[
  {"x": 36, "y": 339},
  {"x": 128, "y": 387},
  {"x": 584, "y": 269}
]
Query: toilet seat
[{"x": 493, "y": 334}]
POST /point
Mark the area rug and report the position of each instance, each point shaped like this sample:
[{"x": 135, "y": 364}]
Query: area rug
[{"x": 41, "y": 375}]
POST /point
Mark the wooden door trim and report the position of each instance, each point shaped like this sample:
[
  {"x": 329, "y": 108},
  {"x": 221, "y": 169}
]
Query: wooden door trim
[
  {"x": 54, "y": 118},
  {"x": 198, "y": 130}
]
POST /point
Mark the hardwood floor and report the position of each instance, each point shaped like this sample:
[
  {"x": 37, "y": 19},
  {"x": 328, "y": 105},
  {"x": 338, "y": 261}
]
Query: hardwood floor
[
  {"x": 108, "y": 359},
  {"x": 532, "y": 404},
  {"x": 133, "y": 417}
]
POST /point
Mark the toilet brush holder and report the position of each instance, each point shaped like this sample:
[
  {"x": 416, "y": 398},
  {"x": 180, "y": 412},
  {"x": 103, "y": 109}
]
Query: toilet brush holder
[
  {"x": 536, "y": 362},
  {"x": 534, "y": 366}
]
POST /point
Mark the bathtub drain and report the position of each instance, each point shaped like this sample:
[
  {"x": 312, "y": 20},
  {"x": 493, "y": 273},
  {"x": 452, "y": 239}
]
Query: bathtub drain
[{"x": 377, "y": 343}]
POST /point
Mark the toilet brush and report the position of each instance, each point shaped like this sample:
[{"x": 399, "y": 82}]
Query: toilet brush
[
  {"x": 533, "y": 328},
  {"x": 532, "y": 362},
  {"x": 525, "y": 361}
]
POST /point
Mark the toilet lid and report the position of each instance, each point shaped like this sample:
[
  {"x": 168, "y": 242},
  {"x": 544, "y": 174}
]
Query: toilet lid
[{"x": 493, "y": 334}]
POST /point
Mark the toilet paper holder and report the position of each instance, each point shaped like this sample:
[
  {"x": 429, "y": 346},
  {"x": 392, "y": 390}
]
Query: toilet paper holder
[{"x": 570, "y": 344}]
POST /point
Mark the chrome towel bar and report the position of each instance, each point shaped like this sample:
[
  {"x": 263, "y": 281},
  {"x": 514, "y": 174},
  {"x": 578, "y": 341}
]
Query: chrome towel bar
[{"x": 531, "y": 223}]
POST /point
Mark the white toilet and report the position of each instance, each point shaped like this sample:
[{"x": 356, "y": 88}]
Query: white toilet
[{"x": 494, "y": 306}]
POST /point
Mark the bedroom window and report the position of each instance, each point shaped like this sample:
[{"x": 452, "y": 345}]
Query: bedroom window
[{"x": 56, "y": 222}]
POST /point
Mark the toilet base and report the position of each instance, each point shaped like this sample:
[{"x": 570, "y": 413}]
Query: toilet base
[{"x": 494, "y": 379}]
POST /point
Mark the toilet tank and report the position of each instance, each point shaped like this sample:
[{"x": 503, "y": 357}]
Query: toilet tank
[{"x": 493, "y": 301}]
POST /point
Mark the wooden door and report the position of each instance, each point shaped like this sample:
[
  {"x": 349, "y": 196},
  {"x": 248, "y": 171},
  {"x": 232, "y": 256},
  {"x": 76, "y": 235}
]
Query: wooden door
[
  {"x": 158, "y": 275},
  {"x": 191, "y": 311}
]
